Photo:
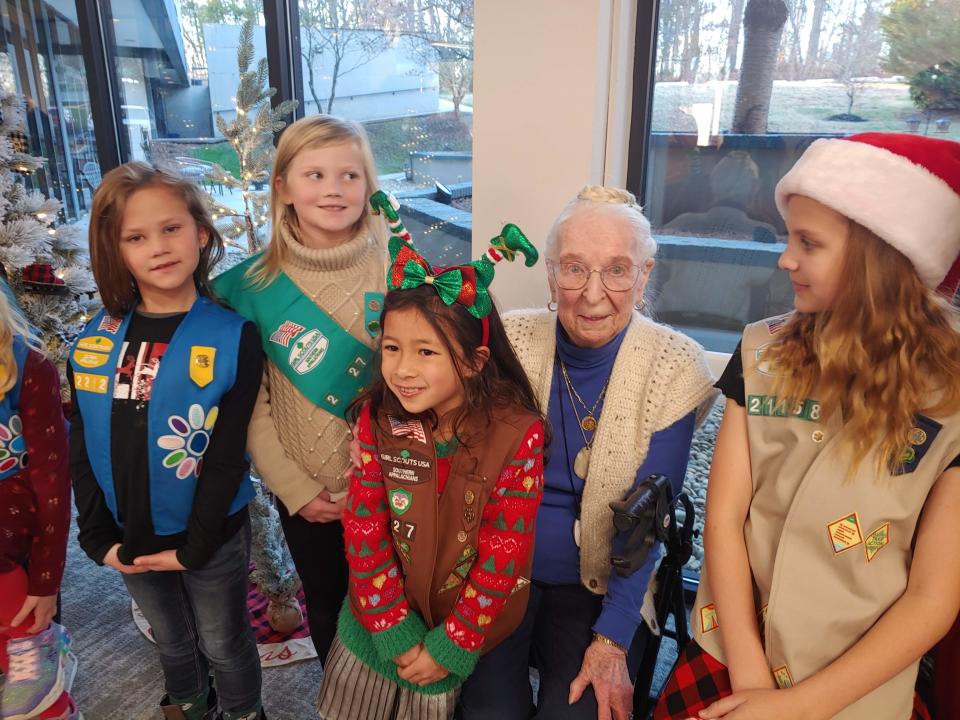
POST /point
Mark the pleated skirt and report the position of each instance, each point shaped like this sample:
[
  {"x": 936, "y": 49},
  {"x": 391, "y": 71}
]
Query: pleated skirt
[{"x": 352, "y": 691}]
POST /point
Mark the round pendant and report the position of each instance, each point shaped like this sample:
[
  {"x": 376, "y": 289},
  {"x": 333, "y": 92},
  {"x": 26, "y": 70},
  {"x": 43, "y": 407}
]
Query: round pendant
[
  {"x": 576, "y": 531},
  {"x": 589, "y": 423},
  {"x": 581, "y": 463}
]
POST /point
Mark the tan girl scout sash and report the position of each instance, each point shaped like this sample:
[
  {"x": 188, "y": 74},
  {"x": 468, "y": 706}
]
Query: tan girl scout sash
[{"x": 323, "y": 361}]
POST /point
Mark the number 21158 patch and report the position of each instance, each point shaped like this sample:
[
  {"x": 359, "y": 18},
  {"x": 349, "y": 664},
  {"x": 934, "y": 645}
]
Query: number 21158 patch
[{"x": 774, "y": 406}]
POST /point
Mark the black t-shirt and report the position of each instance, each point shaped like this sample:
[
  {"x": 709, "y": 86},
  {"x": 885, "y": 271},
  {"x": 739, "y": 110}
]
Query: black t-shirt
[
  {"x": 732, "y": 386},
  {"x": 224, "y": 462}
]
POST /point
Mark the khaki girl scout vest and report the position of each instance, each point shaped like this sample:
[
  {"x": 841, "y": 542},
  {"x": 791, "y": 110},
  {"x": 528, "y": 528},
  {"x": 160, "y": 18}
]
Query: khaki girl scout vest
[
  {"x": 830, "y": 553},
  {"x": 436, "y": 535}
]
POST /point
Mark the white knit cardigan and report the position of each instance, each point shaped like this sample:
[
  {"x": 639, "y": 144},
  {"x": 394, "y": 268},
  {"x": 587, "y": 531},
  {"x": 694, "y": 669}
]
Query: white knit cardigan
[{"x": 658, "y": 377}]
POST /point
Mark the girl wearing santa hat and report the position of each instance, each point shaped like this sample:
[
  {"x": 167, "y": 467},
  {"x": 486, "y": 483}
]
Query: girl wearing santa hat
[{"x": 832, "y": 557}]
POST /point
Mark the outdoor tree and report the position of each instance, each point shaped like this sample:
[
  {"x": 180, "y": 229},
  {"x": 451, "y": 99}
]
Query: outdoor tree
[
  {"x": 763, "y": 22},
  {"x": 339, "y": 37},
  {"x": 733, "y": 39},
  {"x": 811, "y": 64},
  {"x": 251, "y": 135},
  {"x": 858, "y": 52}
]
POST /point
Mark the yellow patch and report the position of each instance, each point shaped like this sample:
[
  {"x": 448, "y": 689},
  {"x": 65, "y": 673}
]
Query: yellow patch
[
  {"x": 87, "y": 359},
  {"x": 90, "y": 382},
  {"x": 528, "y": 483},
  {"x": 379, "y": 580},
  {"x": 470, "y": 591},
  {"x": 845, "y": 533},
  {"x": 876, "y": 541},
  {"x": 484, "y": 620},
  {"x": 96, "y": 343},
  {"x": 363, "y": 602},
  {"x": 366, "y": 458},
  {"x": 201, "y": 364},
  {"x": 708, "y": 618},
  {"x": 783, "y": 678}
]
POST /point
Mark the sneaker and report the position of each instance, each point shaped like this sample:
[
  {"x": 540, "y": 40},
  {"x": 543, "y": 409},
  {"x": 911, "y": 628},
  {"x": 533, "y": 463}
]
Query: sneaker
[{"x": 34, "y": 679}]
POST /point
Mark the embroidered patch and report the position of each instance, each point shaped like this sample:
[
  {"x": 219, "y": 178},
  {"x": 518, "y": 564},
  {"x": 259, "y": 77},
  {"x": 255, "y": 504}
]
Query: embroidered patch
[
  {"x": 407, "y": 428},
  {"x": 876, "y": 541},
  {"x": 95, "y": 343},
  {"x": 920, "y": 438},
  {"x": 201, "y": 364},
  {"x": 287, "y": 331},
  {"x": 406, "y": 467},
  {"x": 776, "y": 323},
  {"x": 88, "y": 382},
  {"x": 407, "y": 530},
  {"x": 708, "y": 618},
  {"x": 400, "y": 500},
  {"x": 110, "y": 324},
  {"x": 190, "y": 440},
  {"x": 12, "y": 444},
  {"x": 404, "y": 549},
  {"x": 308, "y": 351},
  {"x": 845, "y": 533},
  {"x": 522, "y": 582},
  {"x": 89, "y": 359},
  {"x": 774, "y": 406},
  {"x": 782, "y": 677}
]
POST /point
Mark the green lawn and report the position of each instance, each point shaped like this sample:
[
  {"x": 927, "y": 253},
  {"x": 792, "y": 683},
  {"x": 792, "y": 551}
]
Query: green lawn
[
  {"x": 221, "y": 153},
  {"x": 393, "y": 140}
]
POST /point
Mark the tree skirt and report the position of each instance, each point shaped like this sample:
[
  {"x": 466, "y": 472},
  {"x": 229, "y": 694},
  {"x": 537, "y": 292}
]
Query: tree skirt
[{"x": 275, "y": 648}]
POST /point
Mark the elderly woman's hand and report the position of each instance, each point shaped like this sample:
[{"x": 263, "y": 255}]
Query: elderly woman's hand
[{"x": 605, "y": 667}]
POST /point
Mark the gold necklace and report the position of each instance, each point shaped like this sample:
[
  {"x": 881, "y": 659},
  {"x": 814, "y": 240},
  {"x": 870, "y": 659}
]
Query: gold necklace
[
  {"x": 581, "y": 463},
  {"x": 589, "y": 421}
]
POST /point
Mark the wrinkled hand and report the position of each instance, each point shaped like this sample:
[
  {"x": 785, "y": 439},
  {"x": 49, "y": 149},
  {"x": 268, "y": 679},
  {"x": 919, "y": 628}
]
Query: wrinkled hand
[
  {"x": 423, "y": 670},
  {"x": 605, "y": 668},
  {"x": 409, "y": 656},
  {"x": 161, "y": 561},
  {"x": 323, "y": 509},
  {"x": 43, "y": 607},
  {"x": 756, "y": 705},
  {"x": 113, "y": 561}
]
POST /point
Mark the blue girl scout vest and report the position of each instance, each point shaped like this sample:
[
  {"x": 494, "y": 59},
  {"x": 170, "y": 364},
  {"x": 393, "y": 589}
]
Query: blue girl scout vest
[
  {"x": 13, "y": 448},
  {"x": 198, "y": 368}
]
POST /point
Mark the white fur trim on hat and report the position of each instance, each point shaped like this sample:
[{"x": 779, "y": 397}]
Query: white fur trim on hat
[{"x": 901, "y": 202}]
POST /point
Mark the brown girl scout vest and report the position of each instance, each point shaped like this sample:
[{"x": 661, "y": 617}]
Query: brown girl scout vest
[
  {"x": 436, "y": 535},
  {"x": 830, "y": 552}
]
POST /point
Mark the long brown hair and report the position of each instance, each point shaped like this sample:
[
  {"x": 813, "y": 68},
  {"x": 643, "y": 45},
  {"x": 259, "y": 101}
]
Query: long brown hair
[
  {"x": 502, "y": 381},
  {"x": 888, "y": 349},
  {"x": 315, "y": 131},
  {"x": 117, "y": 287}
]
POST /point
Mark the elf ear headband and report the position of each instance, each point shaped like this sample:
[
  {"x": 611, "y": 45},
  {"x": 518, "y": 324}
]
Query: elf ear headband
[{"x": 465, "y": 284}]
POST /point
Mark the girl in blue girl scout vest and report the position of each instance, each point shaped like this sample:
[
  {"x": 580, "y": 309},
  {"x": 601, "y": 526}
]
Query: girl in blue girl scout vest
[
  {"x": 315, "y": 295},
  {"x": 832, "y": 559},
  {"x": 163, "y": 382}
]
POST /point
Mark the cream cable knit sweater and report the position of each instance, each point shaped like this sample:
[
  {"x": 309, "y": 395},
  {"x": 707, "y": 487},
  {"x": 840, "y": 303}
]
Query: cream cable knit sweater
[
  {"x": 298, "y": 448},
  {"x": 658, "y": 377}
]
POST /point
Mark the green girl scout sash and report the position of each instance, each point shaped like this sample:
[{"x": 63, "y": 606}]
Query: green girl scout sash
[{"x": 323, "y": 361}]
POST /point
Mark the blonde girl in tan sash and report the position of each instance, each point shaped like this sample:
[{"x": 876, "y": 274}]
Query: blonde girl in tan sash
[
  {"x": 315, "y": 295},
  {"x": 832, "y": 556}
]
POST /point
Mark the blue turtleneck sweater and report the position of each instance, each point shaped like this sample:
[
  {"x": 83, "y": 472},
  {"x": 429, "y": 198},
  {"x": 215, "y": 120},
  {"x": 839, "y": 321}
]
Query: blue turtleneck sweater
[{"x": 556, "y": 559}]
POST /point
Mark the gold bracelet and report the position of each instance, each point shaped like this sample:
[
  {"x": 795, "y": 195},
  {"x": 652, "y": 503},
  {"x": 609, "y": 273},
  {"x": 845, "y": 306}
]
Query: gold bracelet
[{"x": 607, "y": 641}]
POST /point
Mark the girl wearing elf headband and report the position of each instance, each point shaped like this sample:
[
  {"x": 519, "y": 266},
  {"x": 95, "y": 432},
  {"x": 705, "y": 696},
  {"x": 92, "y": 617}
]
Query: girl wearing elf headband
[
  {"x": 315, "y": 295},
  {"x": 832, "y": 561},
  {"x": 440, "y": 514},
  {"x": 35, "y": 517}
]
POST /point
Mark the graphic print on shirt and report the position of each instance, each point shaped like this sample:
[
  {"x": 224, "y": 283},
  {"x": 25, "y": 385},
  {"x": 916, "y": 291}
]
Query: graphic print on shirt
[{"x": 138, "y": 367}]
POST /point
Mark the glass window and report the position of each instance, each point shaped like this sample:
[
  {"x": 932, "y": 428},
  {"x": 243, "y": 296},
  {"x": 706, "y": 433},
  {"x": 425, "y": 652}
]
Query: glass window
[
  {"x": 738, "y": 97},
  {"x": 405, "y": 71},
  {"x": 41, "y": 60}
]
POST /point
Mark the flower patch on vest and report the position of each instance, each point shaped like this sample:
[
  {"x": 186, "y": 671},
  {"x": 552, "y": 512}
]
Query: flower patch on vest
[
  {"x": 845, "y": 533},
  {"x": 189, "y": 442},
  {"x": 876, "y": 541},
  {"x": 400, "y": 500}
]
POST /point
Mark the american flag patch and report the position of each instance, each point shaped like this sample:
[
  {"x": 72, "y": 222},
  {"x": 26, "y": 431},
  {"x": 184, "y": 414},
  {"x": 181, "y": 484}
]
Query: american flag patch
[
  {"x": 774, "y": 324},
  {"x": 407, "y": 428},
  {"x": 110, "y": 324},
  {"x": 286, "y": 332}
]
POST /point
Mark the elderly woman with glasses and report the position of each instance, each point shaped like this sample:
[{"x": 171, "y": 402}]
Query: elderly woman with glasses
[{"x": 622, "y": 394}]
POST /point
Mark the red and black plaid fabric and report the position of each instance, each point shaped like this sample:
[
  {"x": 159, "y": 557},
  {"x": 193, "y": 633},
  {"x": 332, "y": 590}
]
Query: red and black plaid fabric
[
  {"x": 264, "y": 634},
  {"x": 699, "y": 680},
  {"x": 41, "y": 273}
]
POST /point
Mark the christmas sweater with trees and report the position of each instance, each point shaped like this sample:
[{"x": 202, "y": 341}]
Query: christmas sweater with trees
[{"x": 386, "y": 626}]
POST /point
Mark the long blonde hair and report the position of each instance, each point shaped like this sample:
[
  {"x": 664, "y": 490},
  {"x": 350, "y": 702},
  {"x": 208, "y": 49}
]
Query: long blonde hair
[
  {"x": 889, "y": 348},
  {"x": 12, "y": 324},
  {"x": 316, "y": 131}
]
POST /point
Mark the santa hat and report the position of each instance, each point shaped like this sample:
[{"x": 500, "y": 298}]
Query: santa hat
[{"x": 904, "y": 188}]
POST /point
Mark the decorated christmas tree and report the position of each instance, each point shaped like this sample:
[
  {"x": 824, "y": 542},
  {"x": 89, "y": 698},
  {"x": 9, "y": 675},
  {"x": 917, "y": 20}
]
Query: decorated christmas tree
[
  {"x": 251, "y": 135},
  {"x": 46, "y": 262}
]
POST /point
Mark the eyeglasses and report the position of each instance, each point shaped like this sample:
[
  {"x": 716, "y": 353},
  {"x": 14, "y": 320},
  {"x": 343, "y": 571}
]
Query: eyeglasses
[{"x": 575, "y": 276}]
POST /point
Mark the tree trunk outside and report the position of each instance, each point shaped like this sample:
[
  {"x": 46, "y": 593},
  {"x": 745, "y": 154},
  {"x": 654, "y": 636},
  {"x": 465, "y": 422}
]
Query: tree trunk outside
[
  {"x": 763, "y": 23},
  {"x": 337, "y": 57},
  {"x": 733, "y": 39},
  {"x": 813, "y": 46}
]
